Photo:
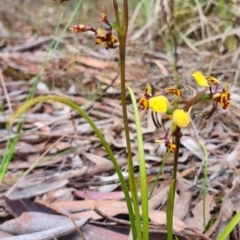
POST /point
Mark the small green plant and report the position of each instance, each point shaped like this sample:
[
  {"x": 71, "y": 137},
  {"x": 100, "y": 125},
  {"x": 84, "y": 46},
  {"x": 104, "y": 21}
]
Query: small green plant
[{"x": 160, "y": 104}]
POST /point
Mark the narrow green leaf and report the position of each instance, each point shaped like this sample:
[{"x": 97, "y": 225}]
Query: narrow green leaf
[
  {"x": 170, "y": 208},
  {"x": 142, "y": 166},
  {"x": 204, "y": 184},
  {"x": 231, "y": 225}
]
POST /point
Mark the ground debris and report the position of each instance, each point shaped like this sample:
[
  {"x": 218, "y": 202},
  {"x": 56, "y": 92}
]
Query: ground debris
[{"x": 59, "y": 162}]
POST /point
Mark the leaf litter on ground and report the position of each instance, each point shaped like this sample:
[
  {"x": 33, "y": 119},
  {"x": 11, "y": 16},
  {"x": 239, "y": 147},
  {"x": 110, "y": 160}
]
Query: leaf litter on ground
[{"x": 77, "y": 169}]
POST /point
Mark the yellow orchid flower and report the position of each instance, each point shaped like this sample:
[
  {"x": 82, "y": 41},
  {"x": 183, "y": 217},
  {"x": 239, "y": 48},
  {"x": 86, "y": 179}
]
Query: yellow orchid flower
[
  {"x": 180, "y": 118},
  {"x": 223, "y": 97},
  {"x": 204, "y": 81}
]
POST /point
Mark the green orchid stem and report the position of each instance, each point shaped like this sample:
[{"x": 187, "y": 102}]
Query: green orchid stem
[
  {"x": 176, "y": 154},
  {"x": 122, "y": 28},
  {"x": 204, "y": 183},
  {"x": 172, "y": 196}
]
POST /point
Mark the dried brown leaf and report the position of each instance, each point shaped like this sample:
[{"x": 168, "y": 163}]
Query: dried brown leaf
[
  {"x": 158, "y": 197},
  {"x": 98, "y": 160},
  {"x": 196, "y": 221},
  {"x": 182, "y": 200},
  {"x": 193, "y": 146},
  {"x": 99, "y": 195},
  {"x": 227, "y": 211},
  {"x": 63, "y": 194},
  {"x": 35, "y": 184},
  {"x": 94, "y": 63},
  {"x": 159, "y": 218},
  {"x": 98, "y": 233}
]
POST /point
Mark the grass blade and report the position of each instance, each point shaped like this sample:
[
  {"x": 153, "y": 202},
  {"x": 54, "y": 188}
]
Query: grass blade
[
  {"x": 170, "y": 208},
  {"x": 231, "y": 225},
  {"x": 204, "y": 184},
  {"x": 142, "y": 166}
]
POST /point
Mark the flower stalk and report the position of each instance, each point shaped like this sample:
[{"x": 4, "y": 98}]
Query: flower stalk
[{"x": 122, "y": 37}]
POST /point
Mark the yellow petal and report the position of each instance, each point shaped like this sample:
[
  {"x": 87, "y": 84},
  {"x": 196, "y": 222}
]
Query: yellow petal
[
  {"x": 200, "y": 79},
  {"x": 113, "y": 39},
  {"x": 103, "y": 17},
  {"x": 180, "y": 118},
  {"x": 150, "y": 91},
  {"x": 98, "y": 41},
  {"x": 172, "y": 147},
  {"x": 158, "y": 104}
]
